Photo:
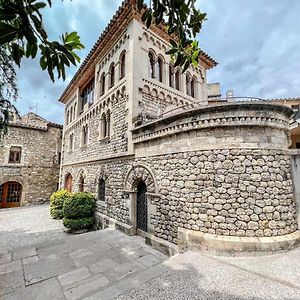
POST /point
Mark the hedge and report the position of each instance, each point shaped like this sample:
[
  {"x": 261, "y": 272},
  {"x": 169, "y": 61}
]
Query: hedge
[
  {"x": 57, "y": 200},
  {"x": 78, "y": 211}
]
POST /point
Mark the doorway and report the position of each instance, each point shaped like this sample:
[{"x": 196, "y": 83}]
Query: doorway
[
  {"x": 142, "y": 208},
  {"x": 10, "y": 193},
  {"x": 68, "y": 182}
]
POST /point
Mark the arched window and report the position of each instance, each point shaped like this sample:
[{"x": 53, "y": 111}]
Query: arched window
[
  {"x": 151, "y": 65},
  {"x": 68, "y": 182},
  {"x": 188, "y": 84},
  {"x": 101, "y": 190},
  {"x": 122, "y": 65},
  {"x": 103, "y": 126},
  {"x": 171, "y": 76},
  {"x": 108, "y": 124},
  {"x": 160, "y": 65},
  {"x": 177, "y": 80},
  {"x": 112, "y": 74},
  {"x": 193, "y": 87},
  {"x": 81, "y": 183},
  {"x": 71, "y": 114},
  {"x": 68, "y": 115},
  {"x": 84, "y": 135},
  {"x": 102, "y": 84},
  {"x": 71, "y": 141},
  {"x": 75, "y": 113}
]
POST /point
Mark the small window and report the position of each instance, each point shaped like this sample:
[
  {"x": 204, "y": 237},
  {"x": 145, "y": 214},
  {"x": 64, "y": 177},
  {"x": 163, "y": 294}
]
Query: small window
[
  {"x": 108, "y": 124},
  {"x": 297, "y": 145},
  {"x": 112, "y": 74},
  {"x": 151, "y": 65},
  {"x": 71, "y": 141},
  {"x": 171, "y": 76},
  {"x": 87, "y": 94},
  {"x": 160, "y": 69},
  {"x": 193, "y": 87},
  {"x": 81, "y": 184},
  {"x": 177, "y": 80},
  {"x": 15, "y": 155},
  {"x": 103, "y": 126},
  {"x": 122, "y": 65},
  {"x": 84, "y": 135},
  {"x": 101, "y": 190},
  {"x": 102, "y": 84}
]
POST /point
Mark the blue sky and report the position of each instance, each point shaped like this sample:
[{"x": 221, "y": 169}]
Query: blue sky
[{"x": 256, "y": 43}]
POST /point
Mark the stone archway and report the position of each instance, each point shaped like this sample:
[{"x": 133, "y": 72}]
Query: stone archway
[
  {"x": 141, "y": 186},
  {"x": 69, "y": 182}
]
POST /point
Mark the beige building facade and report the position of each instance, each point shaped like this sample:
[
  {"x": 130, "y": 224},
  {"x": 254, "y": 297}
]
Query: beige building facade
[
  {"x": 29, "y": 161},
  {"x": 162, "y": 163}
]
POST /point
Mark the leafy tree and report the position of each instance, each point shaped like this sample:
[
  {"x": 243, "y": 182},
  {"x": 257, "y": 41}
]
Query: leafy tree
[
  {"x": 183, "y": 20},
  {"x": 8, "y": 88}
]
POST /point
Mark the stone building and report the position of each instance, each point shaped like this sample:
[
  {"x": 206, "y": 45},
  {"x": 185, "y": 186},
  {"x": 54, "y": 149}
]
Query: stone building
[
  {"x": 164, "y": 164},
  {"x": 29, "y": 161}
]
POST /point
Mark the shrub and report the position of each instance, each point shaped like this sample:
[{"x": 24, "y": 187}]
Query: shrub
[
  {"x": 57, "y": 200},
  {"x": 78, "y": 211}
]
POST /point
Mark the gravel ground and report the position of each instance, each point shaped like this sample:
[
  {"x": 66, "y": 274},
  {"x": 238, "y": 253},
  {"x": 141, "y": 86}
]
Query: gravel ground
[{"x": 25, "y": 226}]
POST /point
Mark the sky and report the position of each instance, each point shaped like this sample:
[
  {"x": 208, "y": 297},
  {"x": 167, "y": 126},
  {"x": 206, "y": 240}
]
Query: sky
[{"x": 256, "y": 43}]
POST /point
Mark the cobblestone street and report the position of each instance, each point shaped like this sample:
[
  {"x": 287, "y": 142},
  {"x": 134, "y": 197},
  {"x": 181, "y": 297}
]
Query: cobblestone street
[{"x": 40, "y": 261}]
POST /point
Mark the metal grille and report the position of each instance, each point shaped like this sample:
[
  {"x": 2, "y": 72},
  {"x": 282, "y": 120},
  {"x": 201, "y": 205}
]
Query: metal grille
[
  {"x": 101, "y": 190},
  {"x": 142, "y": 206},
  {"x": 14, "y": 192}
]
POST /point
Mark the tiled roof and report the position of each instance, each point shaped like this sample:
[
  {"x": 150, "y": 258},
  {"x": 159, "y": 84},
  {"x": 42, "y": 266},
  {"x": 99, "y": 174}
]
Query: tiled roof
[{"x": 98, "y": 43}]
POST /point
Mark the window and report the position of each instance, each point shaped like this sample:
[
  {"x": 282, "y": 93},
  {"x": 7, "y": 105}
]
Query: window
[
  {"x": 71, "y": 114},
  {"x": 171, "y": 76},
  {"x": 112, "y": 74},
  {"x": 101, "y": 190},
  {"x": 151, "y": 65},
  {"x": 87, "y": 94},
  {"x": 71, "y": 141},
  {"x": 68, "y": 113},
  {"x": 81, "y": 184},
  {"x": 297, "y": 145},
  {"x": 188, "y": 84},
  {"x": 193, "y": 87},
  {"x": 108, "y": 124},
  {"x": 15, "y": 155},
  {"x": 122, "y": 65},
  {"x": 160, "y": 64},
  {"x": 103, "y": 126},
  {"x": 102, "y": 84},
  {"x": 84, "y": 135},
  {"x": 177, "y": 80}
]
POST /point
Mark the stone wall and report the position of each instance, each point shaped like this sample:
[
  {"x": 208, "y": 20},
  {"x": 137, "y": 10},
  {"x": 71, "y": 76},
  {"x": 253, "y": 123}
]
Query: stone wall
[
  {"x": 38, "y": 171},
  {"x": 295, "y": 163}
]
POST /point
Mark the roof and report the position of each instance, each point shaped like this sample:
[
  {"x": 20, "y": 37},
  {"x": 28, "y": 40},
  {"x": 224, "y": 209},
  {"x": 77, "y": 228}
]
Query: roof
[
  {"x": 285, "y": 99},
  {"x": 125, "y": 13}
]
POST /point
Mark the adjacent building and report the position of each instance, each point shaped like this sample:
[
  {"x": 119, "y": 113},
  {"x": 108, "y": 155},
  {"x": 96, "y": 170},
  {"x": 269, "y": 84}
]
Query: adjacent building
[{"x": 29, "y": 161}]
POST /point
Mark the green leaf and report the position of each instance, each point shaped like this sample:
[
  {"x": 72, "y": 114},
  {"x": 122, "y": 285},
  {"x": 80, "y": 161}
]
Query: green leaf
[
  {"x": 140, "y": 4},
  {"x": 7, "y": 33}
]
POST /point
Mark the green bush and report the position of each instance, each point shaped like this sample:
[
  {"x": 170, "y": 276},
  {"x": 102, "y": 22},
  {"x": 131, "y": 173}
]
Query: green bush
[
  {"x": 78, "y": 211},
  {"x": 57, "y": 200},
  {"x": 81, "y": 223}
]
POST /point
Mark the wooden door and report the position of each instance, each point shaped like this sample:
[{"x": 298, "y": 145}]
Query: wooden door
[
  {"x": 68, "y": 183},
  {"x": 10, "y": 194}
]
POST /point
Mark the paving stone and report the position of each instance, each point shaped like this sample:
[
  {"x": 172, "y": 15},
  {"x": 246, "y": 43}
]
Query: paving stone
[
  {"x": 80, "y": 253},
  {"x": 48, "y": 289},
  {"x": 46, "y": 268},
  {"x": 149, "y": 260},
  {"x": 10, "y": 281},
  {"x": 105, "y": 294},
  {"x": 133, "y": 254},
  {"x": 5, "y": 258},
  {"x": 102, "y": 265},
  {"x": 11, "y": 266},
  {"x": 123, "y": 270},
  {"x": 24, "y": 252},
  {"x": 86, "y": 287},
  {"x": 74, "y": 276},
  {"x": 55, "y": 250},
  {"x": 29, "y": 260}
]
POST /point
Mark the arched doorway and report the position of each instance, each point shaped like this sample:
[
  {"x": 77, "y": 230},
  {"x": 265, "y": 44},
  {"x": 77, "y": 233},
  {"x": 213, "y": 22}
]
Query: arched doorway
[
  {"x": 142, "y": 207},
  {"x": 10, "y": 193},
  {"x": 68, "y": 182}
]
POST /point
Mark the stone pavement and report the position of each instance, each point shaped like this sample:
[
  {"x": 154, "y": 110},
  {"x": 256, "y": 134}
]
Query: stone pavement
[{"x": 108, "y": 264}]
